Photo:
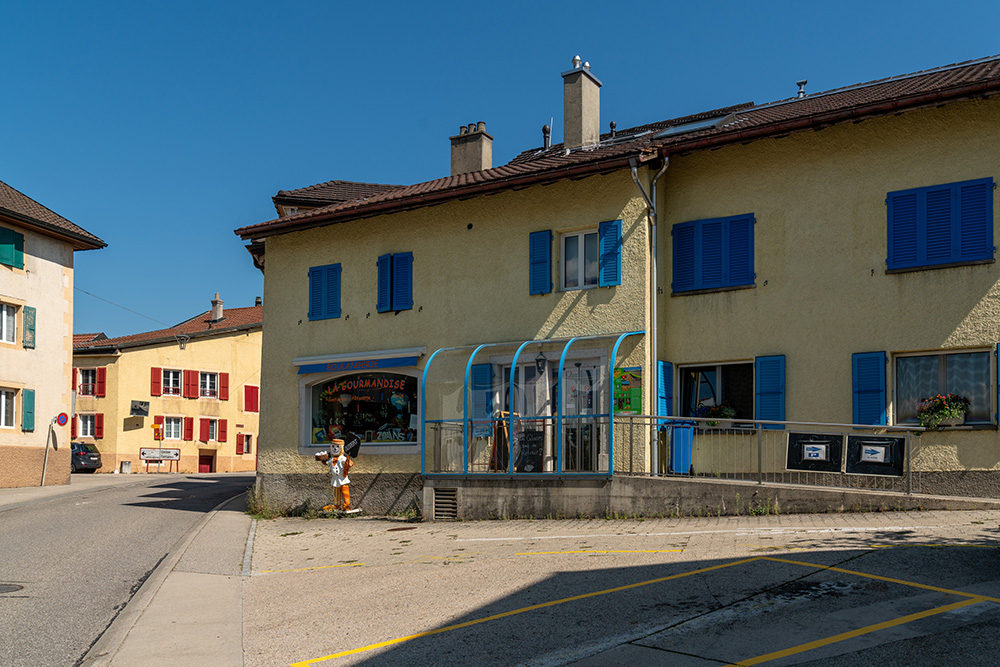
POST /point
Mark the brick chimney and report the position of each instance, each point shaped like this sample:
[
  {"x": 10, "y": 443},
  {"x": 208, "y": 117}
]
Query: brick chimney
[
  {"x": 581, "y": 106},
  {"x": 217, "y": 308},
  {"x": 471, "y": 149}
]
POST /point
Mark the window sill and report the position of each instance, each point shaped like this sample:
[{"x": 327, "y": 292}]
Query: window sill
[
  {"x": 964, "y": 427},
  {"x": 932, "y": 267},
  {"x": 714, "y": 290}
]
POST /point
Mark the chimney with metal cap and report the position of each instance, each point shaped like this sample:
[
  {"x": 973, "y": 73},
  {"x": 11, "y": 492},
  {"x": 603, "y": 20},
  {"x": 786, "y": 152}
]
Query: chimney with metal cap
[
  {"x": 471, "y": 149},
  {"x": 217, "y": 308},
  {"x": 581, "y": 106}
]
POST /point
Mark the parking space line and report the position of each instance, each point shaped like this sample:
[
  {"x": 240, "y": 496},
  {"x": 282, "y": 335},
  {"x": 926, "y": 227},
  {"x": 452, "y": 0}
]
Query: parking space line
[
  {"x": 514, "y": 612},
  {"x": 308, "y": 569},
  {"x": 857, "y": 633},
  {"x": 913, "y": 584},
  {"x": 595, "y": 551}
]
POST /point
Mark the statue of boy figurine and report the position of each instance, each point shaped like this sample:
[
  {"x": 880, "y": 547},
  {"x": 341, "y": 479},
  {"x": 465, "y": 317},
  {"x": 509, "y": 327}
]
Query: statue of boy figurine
[{"x": 340, "y": 464}]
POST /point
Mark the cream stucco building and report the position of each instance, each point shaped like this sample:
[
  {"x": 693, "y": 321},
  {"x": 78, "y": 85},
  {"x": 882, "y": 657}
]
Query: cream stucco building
[
  {"x": 197, "y": 383},
  {"x": 829, "y": 257},
  {"x": 36, "y": 338}
]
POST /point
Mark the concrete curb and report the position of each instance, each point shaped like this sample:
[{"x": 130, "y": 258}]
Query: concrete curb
[{"x": 104, "y": 649}]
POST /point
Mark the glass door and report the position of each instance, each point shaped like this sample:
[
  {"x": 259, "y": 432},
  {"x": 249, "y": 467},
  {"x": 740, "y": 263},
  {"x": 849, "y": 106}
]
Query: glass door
[{"x": 583, "y": 438}]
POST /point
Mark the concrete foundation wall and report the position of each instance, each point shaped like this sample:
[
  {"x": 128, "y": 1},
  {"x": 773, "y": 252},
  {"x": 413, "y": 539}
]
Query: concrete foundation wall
[{"x": 377, "y": 494}]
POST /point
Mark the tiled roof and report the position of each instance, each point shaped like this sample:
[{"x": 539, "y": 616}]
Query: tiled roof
[
  {"x": 749, "y": 122},
  {"x": 87, "y": 337},
  {"x": 26, "y": 210},
  {"x": 331, "y": 192},
  {"x": 200, "y": 325}
]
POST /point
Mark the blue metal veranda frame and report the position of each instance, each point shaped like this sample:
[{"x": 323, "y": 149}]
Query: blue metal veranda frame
[{"x": 466, "y": 420}]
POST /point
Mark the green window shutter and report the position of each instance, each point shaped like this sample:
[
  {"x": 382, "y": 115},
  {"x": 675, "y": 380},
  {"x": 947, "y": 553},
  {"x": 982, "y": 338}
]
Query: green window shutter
[
  {"x": 11, "y": 248},
  {"x": 28, "y": 410},
  {"x": 29, "y": 327}
]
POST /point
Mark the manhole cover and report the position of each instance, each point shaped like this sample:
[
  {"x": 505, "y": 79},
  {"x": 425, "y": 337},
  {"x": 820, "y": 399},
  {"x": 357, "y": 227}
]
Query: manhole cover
[{"x": 9, "y": 588}]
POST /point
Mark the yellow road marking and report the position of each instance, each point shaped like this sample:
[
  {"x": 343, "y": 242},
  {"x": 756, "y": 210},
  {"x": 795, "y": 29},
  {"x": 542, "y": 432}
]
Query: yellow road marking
[
  {"x": 902, "y": 582},
  {"x": 594, "y": 551},
  {"x": 514, "y": 612},
  {"x": 318, "y": 567},
  {"x": 856, "y": 633}
]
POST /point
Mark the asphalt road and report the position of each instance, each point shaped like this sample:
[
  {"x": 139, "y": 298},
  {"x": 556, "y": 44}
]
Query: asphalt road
[{"x": 79, "y": 557}]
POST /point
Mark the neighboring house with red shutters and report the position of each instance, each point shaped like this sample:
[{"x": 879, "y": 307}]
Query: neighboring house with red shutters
[
  {"x": 197, "y": 383},
  {"x": 36, "y": 338}
]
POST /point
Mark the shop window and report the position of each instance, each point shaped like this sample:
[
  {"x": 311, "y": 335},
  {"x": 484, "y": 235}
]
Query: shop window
[
  {"x": 940, "y": 225},
  {"x": 704, "y": 387},
  {"x": 378, "y": 407},
  {"x": 395, "y": 282},
  {"x": 925, "y": 375}
]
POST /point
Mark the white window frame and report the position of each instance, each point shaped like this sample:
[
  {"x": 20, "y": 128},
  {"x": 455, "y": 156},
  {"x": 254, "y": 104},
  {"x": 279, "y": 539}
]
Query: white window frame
[
  {"x": 208, "y": 385},
  {"x": 8, "y": 412},
  {"x": 991, "y": 374},
  {"x": 213, "y": 430},
  {"x": 247, "y": 442},
  {"x": 8, "y": 323},
  {"x": 87, "y": 426},
  {"x": 173, "y": 434},
  {"x": 581, "y": 265},
  {"x": 169, "y": 389},
  {"x": 91, "y": 385}
]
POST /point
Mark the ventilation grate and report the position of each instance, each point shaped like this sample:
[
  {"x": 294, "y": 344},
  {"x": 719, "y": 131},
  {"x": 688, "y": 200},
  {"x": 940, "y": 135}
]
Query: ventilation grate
[{"x": 445, "y": 504}]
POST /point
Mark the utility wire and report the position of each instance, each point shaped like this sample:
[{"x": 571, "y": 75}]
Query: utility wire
[{"x": 120, "y": 306}]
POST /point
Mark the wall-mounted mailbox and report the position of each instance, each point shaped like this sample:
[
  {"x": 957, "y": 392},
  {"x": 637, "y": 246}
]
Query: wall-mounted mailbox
[
  {"x": 875, "y": 455},
  {"x": 815, "y": 452}
]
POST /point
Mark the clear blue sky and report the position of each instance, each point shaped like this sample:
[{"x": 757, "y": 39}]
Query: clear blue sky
[{"x": 162, "y": 127}]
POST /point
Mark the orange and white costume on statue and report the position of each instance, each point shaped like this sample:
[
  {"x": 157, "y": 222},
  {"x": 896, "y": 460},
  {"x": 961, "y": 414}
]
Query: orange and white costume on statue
[{"x": 340, "y": 464}]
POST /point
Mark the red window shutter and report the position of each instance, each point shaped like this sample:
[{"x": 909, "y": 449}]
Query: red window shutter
[
  {"x": 239, "y": 443},
  {"x": 190, "y": 384},
  {"x": 203, "y": 430},
  {"x": 75, "y": 373},
  {"x": 222, "y": 435},
  {"x": 223, "y": 386},
  {"x": 99, "y": 425},
  {"x": 251, "y": 399},
  {"x": 189, "y": 428},
  {"x": 102, "y": 382},
  {"x": 158, "y": 419},
  {"x": 155, "y": 381},
  {"x": 72, "y": 427}
]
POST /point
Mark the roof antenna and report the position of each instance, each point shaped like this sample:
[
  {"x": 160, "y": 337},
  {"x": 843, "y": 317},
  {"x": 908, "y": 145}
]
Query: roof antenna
[{"x": 802, "y": 87}]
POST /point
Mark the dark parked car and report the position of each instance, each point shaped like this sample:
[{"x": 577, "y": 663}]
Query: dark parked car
[{"x": 85, "y": 457}]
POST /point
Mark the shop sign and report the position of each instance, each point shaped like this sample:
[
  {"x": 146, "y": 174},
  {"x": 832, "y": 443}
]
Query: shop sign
[
  {"x": 628, "y": 391},
  {"x": 358, "y": 365}
]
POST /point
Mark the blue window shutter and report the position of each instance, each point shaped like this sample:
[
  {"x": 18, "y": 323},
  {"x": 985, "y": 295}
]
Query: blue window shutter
[
  {"x": 402, "y": 281},
  {"x": 685, "y": 250},
  {"x": 711, "y": 254},
  {"x": 610, "y": 262},
  {"x": 28, "y": 410},
  {"x": 868, "y": 386},
  {"x": 30, "y": 315},
  {"x": 975, "y": 220},
  {"x": 540, "y": 262},
  {"x": 664, "y": 388},
  {"x": 739, "y": 264},
  {"x": 481, "y": 380},
  {"x": 770, "y": 389},
  {"x": 332, "y": 290},
  {"x": 316, "y": 276},
  {"x": 384, "y": 302},
  {"x": 940, "y": 224}
]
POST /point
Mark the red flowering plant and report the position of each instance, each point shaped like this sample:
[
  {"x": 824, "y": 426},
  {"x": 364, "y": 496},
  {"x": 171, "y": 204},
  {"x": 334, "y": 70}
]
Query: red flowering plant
[
  {"x": 724, "y": 411},
  {"x": 935, "y": 409}
]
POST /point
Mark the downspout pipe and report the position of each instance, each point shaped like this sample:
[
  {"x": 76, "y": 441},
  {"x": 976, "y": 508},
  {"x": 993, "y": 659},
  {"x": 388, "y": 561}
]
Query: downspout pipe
[{"x": 653, "y": 328}]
